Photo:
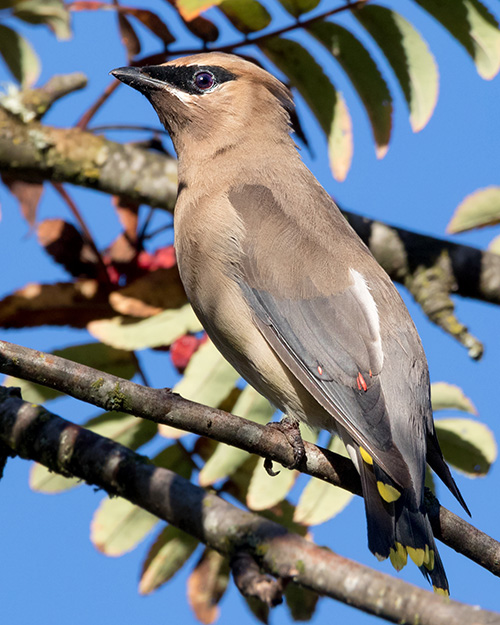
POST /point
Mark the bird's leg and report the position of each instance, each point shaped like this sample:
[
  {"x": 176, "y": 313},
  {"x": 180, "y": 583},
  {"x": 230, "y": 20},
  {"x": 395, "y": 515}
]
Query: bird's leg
[{"x": 290, "y": 428}]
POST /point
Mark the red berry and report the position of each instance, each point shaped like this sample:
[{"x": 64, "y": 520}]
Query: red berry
[
  {"x": 165, "y": 257},
  {"x": 182, "y": 349}
]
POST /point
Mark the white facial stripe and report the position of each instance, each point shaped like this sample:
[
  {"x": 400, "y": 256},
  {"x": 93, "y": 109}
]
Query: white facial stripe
[
  {"x": 365, "y": 298},
  {"x": 187, "y": 98}
]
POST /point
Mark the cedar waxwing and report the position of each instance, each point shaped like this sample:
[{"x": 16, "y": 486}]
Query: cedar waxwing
[{"x": 291, "y": 296}]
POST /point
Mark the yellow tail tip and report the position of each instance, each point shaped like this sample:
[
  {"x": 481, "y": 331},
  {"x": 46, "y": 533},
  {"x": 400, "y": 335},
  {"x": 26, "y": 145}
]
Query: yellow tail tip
[
  {"x": 429, "y": 558},
  {"x": 441, "y": 591},
  {"x": 417, "y": 555},
  {"x": 365, "y": 455},
  {"x": 398, "y": 556},
  {"x": 388, "y": 492}
]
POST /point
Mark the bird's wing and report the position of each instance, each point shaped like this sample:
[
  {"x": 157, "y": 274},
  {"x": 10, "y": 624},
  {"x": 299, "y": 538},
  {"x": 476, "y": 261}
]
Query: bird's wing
[{"x": 331, "y": 342}]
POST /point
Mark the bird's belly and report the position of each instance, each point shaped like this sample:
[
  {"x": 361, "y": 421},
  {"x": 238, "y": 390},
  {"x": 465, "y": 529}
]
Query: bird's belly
[{"x": 226, "y": 317}]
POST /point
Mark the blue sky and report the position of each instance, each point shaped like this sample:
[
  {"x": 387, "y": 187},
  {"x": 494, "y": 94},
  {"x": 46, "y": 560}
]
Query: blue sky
[{"x": 50, "y": 571}]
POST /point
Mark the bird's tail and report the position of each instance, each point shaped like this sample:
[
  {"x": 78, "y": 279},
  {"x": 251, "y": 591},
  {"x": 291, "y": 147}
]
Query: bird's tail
[{"x": 398, "y": 525}]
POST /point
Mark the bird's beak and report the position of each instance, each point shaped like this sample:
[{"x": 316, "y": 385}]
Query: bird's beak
[{"x": 136, "y": 78}]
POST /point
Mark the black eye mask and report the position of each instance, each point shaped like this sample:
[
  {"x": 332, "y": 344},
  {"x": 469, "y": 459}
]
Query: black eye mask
[{"x": 183, "y": 77}]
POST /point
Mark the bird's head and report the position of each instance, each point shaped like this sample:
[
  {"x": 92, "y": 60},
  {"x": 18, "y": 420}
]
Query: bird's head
[{"x": 212, "y": 96}]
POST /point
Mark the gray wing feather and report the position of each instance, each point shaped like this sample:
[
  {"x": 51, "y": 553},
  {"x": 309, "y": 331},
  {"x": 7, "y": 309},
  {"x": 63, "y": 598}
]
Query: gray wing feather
[
  {"x": 302, "y": 334},
  {"x": 296, "y": 275}
]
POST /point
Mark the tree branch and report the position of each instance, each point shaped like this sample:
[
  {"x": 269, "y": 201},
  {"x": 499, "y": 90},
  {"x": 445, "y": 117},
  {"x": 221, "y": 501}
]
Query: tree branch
[
  {"x": 162, "y": 406},
  {"x": 32, "y": 104},
  {"x": 420, "y": 262},
  {"x": 79, "y": 157},
  {"x": 34, "y": 433},
  {"x": 252, "y": 583}
]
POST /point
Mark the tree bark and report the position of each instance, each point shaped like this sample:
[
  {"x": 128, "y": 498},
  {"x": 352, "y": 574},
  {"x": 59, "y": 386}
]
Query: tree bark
[
  {"x": 34, "y": 150},
  {"x": 31, "y": 432},
  {"x": 162, "y": 406}
]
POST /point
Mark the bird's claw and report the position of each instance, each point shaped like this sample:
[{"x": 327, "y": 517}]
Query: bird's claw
[{"x": 290, "y": 428}]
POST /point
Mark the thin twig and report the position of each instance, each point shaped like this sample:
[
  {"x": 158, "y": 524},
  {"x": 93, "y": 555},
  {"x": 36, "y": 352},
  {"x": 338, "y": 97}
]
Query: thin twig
[
  {"x": 140, "y": 371},
  {"x": 142, "y": 234},
  {"x": 159, "y": 230},
  {"x": 127, "y": 127},
  {"x": 84, "y": 121},
  {"x": 85, "y": 231}
]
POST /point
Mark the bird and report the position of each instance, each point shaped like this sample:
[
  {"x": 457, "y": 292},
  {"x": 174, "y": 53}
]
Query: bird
[{"x": 291, "y": 296}]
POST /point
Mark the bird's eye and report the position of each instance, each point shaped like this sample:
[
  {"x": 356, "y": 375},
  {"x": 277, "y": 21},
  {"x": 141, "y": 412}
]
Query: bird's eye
[{"x": 204, "y": 80}]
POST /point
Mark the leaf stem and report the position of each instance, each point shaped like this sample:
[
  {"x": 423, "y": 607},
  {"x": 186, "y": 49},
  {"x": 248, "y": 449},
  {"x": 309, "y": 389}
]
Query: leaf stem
[{"x": 86, "y": 232}]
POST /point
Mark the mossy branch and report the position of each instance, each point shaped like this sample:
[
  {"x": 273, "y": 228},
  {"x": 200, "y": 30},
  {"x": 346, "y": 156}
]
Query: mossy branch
[{"x": 34, "y": 433}]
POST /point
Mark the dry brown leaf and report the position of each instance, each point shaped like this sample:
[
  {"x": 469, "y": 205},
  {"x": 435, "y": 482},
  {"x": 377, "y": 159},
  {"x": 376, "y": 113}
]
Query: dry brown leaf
[
  {"x": 28, "y": 195},
  {"x": 128, "y": 214},
  {"x": 167, "y": 431},
  {"x": 207, "y": 584},
  {"x": 149, "y": 19},
  {"x": 71, "y": 304},
  {"x": 122, "y": 251},
  {"x": 67, "y": 247},
  {"x": 128, "y": 36},
  {"x": 159, "y": 290},
  {"x": 130, "y": 306}
]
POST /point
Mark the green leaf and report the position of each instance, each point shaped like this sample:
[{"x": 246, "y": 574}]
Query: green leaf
[
  {"x": 258, "y": 608},
  {"x": 208, "y": 378},
  {"x": 118, "y": 426},
  {"x": 170, "y": 551},
  {"x": 175, "y": 458},
  {"x": 53, "y": 13},
  {"x": 247, "y": 16},
  {"x": 226, "y": 459},
  {"x": 41, "y": 480},
  {"x": 429, "y": 479},
  {"x": 325, "y": 102},
  {"x": 95, "y": 355},
  {"x": 321, "y": 501},
  {"x": 300, "y": 601},
  {"x": 34, "y": 393},
  {"x": 118, "y": 526},
  {"x": 364, "y": 75},
  {"x": 98, "y": 356},
  {"x": 283, "y": 513},
  {"x": 123, "y": 428},
  {"x": 474, "y": 27},
  {"x": 467, "y": 445},
  {"x": 19, "y": 55},
  {"x": 410, "y": 58},
  {"x": 446, "y": 396},
  {"x": 477, "y": 210},
  {"x": 298, "y": 7},
  {"x": 190, "y": 9},
  {"x": 494, "y": 245},
  {"x": 266, "y": 491},
  {"x": 161, "y": 329}
]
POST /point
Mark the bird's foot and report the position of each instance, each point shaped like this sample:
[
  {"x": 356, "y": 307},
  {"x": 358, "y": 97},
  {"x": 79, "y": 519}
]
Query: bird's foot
[{"x": 290, "y": 428}]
